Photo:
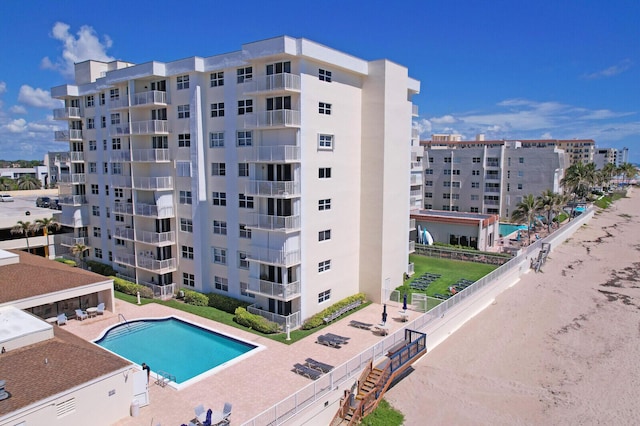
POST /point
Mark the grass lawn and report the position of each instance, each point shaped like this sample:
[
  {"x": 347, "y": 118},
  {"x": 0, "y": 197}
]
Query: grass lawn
[
  {"x": 450, "y": 270},
  {"x": 383, "y": 415}
]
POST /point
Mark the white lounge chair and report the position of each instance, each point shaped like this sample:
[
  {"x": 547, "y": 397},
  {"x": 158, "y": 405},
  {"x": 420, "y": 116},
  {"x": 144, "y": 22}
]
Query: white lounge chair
[
  {"x": 100, "y": 310},
  {"x": 62, "y": 319},
  {"x": 81, "y": 315},
  {"x": 201, "y": 413}
]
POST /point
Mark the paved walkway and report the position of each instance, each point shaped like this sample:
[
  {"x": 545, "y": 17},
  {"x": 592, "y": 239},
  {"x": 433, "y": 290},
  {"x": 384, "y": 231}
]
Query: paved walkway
[{"x": 252, "y": 385}]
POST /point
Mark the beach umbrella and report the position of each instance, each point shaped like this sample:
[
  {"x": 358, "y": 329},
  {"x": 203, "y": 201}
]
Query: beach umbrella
[
  {"x": 404, "y": 302},
  {"x": 384, "y": 314}
]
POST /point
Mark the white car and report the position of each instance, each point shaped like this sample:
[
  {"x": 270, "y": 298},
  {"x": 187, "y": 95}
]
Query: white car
[{"x": 6, "y": 198}]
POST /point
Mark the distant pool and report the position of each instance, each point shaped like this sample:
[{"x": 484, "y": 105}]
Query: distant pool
[
  {"x": 175, "y": 346},
  {"x": 508, "y": 228}
]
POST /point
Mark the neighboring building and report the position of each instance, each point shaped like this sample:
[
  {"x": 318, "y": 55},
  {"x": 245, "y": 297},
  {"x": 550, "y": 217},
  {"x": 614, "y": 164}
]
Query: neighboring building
[
  {"x": 58, "y": 164},
  {"x": 622, "y": 157},
  {"x": 475, "y": 230},
  {"x": 276, "y": 174},
  {"x": 489, "y": 177},
  {"x": 604, "y": 156},
  {"x": 38, "y": 172}
]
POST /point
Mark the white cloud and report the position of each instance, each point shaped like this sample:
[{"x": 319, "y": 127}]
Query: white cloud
[
  {"x": 18, "y": 125},
  {"x": 3, "y": 87},
  {"x": 423, "y": 126},
  {"x": 611, "y": 71},
  {"x": 445, "y": 119},
  {"x": 37, "y": 98},
  {"x": 18, "y": 109},
  {"x": 546, "y": 135},
  {"x": 85, "y": 45}
]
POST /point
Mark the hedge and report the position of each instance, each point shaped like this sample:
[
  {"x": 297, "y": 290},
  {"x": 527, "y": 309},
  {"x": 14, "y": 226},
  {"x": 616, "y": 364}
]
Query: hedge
[
  {"x": 66, "y": 261},
  {"x": 128, "y": 287},
  {"x": 225, "y": 303},
  {"x": 318, "y": 319},
  {"x": 194, "y": 298},
  {"x": 255, "y": 322},
  {"x": 101, "y": 268}
]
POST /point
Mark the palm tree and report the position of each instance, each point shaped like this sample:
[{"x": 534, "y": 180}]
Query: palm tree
[
  {"x": 551, "y": 204},
  {"x": 47, "y": 224},
  {"x": 526, "y": 211},
  {"x": 608, "y": 172},
  {"x": 23, "y": 228},
  {"x": 28, "y": 182},
  {"x": 578, "y": 178},
  {"x": 6, "y": 183},
  {"x": 78, "y": 250},
  {"x": 629, "y": 171}
]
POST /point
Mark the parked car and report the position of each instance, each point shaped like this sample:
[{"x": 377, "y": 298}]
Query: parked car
[
  {"x": 43, "y": 202},
  {"x": 6, "y": 198},
  {"x": 55, "y": 204}
]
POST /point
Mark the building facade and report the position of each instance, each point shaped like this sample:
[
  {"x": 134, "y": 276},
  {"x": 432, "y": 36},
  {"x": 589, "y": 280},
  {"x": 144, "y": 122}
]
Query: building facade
[
  {"x": 277, "y": 174},
  {"x": 57, "y": 164}
]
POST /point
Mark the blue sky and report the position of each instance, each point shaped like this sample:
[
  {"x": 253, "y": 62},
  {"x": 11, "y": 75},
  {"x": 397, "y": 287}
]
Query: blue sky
[{"x": 509, "y": 69}]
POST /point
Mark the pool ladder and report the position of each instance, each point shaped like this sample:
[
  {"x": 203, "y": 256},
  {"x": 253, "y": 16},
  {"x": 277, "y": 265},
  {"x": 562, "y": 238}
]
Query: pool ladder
[
  {"x": 124, "y": 320},
  {"x": 164, "y": 378}
]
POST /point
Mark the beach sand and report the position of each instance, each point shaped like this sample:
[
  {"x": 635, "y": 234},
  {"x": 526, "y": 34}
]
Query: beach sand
[{"x": 560, "y": 347}]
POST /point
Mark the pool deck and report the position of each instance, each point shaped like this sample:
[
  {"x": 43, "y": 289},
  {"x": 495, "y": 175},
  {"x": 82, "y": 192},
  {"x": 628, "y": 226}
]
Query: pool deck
[{"x": 251, "y": 385}]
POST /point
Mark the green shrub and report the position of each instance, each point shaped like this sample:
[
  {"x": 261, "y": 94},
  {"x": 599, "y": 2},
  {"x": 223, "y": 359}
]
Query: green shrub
[
  {"x": 128, "y": 287},
  {"x": 255, "y": 322},
  {"x": 66, "y": 261},
  {"x": 318, "y": 319},
  {"x": 194, "y": 298},
  {"x": 225, "y": 303},
  {"x": 100, "y": 268}
]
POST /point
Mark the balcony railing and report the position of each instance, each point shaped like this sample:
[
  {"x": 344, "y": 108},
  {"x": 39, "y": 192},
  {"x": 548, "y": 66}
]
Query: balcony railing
[
  {"x": 151, "y": 155},
  {"x": 121, "y": 181},
  {"x": 274, "y": 223},
  {"x": 73, "y": 200},
  {"x": 274, "y": 82},
  {"x": 492, "y": 176},
  {"x": 66, "y": 113},
  {"x": 269, "y": 188},
  {"x": 68, "y": 135},
  {"x": 124, "y": 233},
  {"x": 416, "y": 179},
  {"x": 118, "y": 103},
  {"x": 268, "y": 288},
  {"x": 492, "y": 202},
  {"x": 74, "y": 178},
  {"x": 415, "y": 133},
  {"x": 279, "y": 154},
  {"x": 415, "y": 193},
  {"x": 412, "y": 224},
  {"x": 491, "y": 189},
  {"x": 159, "y": 266},
  {"x": 292, "y": 320},
  {"x": 157, "y": 238},
  {"x": 414, "y": 110},
  {"x": 70, "y": 240},
  {"x": 412, "y": 246},
  {"x": 410, "y": 269},
  {"x": 274, "y": 256},
  {"x": 149, "y": 127},
  {"x": 493, "y": 163},
  {"x": 153, "y": 183},
  {"x": 77, "y": 156},
  {"x": 416, "y": 166},
  {"x": 153, "y": 97},
  {"x": 277, "y": 118},
  {"x": 125, "y": 259},
  {"x": 120, "y": 156},
  {"x": 119, "y": 129},
  {"x": 151, "y": 210}
]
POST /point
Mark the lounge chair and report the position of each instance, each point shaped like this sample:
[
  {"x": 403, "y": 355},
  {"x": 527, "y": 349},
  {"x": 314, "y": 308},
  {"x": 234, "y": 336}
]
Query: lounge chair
[
  {"x": 307, "y": 372},
  {"x": 62, "y": 319},
  {"x": 81, "y": 315},
  {"x": 201, "y": 414},
  {"x": 362, "y": 325},
  {"x": 100, "y": 310},
  {"x": 341, "y": 339},
  {"x": 226, "y": 412},
  {"x": 317, "y": 365},
  {"x": 327, "y": 341}
]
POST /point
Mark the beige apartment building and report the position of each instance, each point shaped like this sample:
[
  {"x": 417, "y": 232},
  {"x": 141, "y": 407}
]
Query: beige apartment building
[{"x": 279, "y": 174}]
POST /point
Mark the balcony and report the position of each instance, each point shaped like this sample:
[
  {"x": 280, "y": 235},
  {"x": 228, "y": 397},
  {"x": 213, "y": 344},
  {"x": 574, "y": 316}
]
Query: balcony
[
  {"x": 77, "y": 157},
  {"x": 121, "y": 181},
  {"x": 124, "y": 233},
  {"x": 277, "y": 118},
  {"x": 119, "y": 103},
  {"x": 274, "y": 223},
  {"x": 412, "y": 224},
  {"x": 414, "y": 110},
  {"x": 71, "y": 113},
  {"x": 156, "y": 238},
  {"x": 73, "y": 178},
  {"x": 150, "y": 127},
  {"x": 292, "y": 320},
  {"x": 119, "y": 129},
  {"x": 274, "y": 256},
  {"x": 70, "y": 240},
  {"x": 120, "y": 156},
  {"x": 492, "y": 176},
  {"x": 415, "y": 133},
  {"x": 415, "y": 193},
  {"x": 267, "y": 188},
  {"x": 416, "y": 166},
  {"x": 275, "y": 154},
  {"x": 493, "y": 163},
  {"x": 74, "y": 219},
  {"x": 416, "y": 179},
  {"x": 68, "y": 135},
  {"x": 412, "y": 247},
  {"x": 157, "y": 266},
  {"x": 151, "y": 155},
  {"x": 125, "y": 259},
  {"x": 124, "y": 208},
  {"x": 151, "y": 210},
  {"x": 153, "y": 183},
  {"x": 151, "y": 98},
  {"x": 280, "y": 291},
  {"x": 72, "y": 200},
  {"x": 284, "y": 82},
  {"x": 491, "y": 189}
]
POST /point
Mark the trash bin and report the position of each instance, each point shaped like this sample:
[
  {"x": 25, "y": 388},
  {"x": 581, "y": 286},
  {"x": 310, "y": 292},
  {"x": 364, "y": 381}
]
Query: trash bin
[{"x": 135, "y": 408}]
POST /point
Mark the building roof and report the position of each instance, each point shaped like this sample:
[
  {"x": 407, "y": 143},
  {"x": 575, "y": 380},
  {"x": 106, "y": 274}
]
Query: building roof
[
  {"x": 35, "y": 276},
  {"x": 454, "y": 217},
  {"x": 39, "y": 371}
]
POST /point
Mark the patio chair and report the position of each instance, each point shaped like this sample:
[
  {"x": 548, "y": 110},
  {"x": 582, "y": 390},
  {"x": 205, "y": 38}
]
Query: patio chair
[
  {"x": 81, "y": 315},
  {"x": 201, "y": 414},
  {"x": 317, "y": 365},
  {"x": 362, "y": 325},
  {"x": 100, "y": 310},
  {"x": 341, "y": 339},
  {"x": 226, "y": 412},
  {"x": 327, "y": 341},
  {"x": 307, "y": 372},
  {"x": 62, "y": 319}
]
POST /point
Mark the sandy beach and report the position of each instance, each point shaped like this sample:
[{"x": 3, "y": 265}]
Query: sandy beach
[{"x": 560, "y": 347}]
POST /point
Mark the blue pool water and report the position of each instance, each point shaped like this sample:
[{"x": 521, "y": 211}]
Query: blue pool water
[
  {"x": 507, "y": 228},
  {"x": 182, "y": 349}
]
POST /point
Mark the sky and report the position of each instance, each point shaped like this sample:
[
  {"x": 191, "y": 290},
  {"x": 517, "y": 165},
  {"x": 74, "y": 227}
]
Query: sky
[{"x": 513, "y": 69}]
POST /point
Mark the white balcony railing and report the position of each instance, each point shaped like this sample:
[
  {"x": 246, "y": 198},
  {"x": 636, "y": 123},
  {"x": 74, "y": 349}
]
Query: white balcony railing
[
  {"x": 149, "y": 127},
  {"x": 120, "y": 156},
  {"x": 277, "y": 118},
  {"x": 415, "y": 193},
  {"x": 159, "y": 238},
  {"x": 151, "y": 155},
  {"x": 153, "y": 97},
  {"x": 274, "y": 82},
  {"x": 119, "y": 129},
  {"x": 292, "y": 320},
  {"x": 274, "y": 223},
  {"x": 412, "y": 224},
  {"x": 122, "y": 102},
  {"x": 153, "y": 183},
  {"x": 125, "y": 259},
  {"x": 77, "y": 156},
  {"x": 412, "y": 246},
  {"x": 269, "y": 188},
  {"x": 121, "y": 181},
  {"x": 72, "y": 200},
  {"x": 274, "y": 256},
  {"x": 159, "y": 266},
  {"x": 151, "y": 210},
  {"x": 72, "y": 178},
  {"x": 66, "y": 113},
  {"x": 268, "y": 288},
  {"x": 124, "y": 208},
  {"x": 414, "y": 110},
  {"x": 416, "y": 179},
  {"x": 415, "y": 133},
  {"x": 68, "y": 135},
  {"x": 70, "y": 240},
  {"x": 266, "y": 154},
  {"x": 124, "y": 233}
]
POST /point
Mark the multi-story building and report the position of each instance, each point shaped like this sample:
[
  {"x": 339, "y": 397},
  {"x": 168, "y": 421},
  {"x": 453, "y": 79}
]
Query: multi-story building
[
  {"x": 58, "y": 164},
  {"x": 276, "y": 174},
  {"x": 604, "y": 156},
  {"x": 579, "y": 150}
]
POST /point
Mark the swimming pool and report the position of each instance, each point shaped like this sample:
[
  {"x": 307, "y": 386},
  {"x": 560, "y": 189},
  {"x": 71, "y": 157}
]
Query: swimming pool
[
  {"x": 180, "y": 348},
  {"x": 506, "y": 229}
]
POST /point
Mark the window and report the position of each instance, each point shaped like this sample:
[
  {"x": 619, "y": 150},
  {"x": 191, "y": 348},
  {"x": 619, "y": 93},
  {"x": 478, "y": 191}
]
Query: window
[
  {"x": 243, "y": 263},
  {"x": 103, "y": 121},
  {"x": 428, "y": 171},
  {"x": 92, "y": 168},
  {"x": 455, "y": 208},
  {"x": 114, "y": 94},
  {"x": 324, "y": 108},
  {"x": 221, "y": 283},
  {"x": 219, "y": 227},
  {"x": 186, "y": 225},
  {"x": 508, "y": 187},
  {"x": 217, "y": 109},
  {"x": 116, "y": 143},
  {"x": 97, "y": 232},
  {"x": 474, "y": 210},
  {"x": 519, "y": 186},
  {"x": 446, "y": 207},
  {"x": 243, "y": 169},
  {"x": 115, "y": 118},
  {"x": 94, "y": 189},
  {"x": 104, "y": 144},
  {"x": 95, "y": 210},
  {"x": 90, "y": 101},
  {"x": 116, "y": 168},
  {"x": 446, "y": 184},
  {"x": 243, "y": 290},
  {"x": 219, "y": 255},
  {"x": 447, "y": 159},
  {"x": 279, "y": 68},
  {"x": 428, "y": 206},
  {"x": 428, "y": 183},
  {"x": 182, "y": 82},
  {"x": 244, "y": 138},
  {"x": 188, "y": 280},
  {"x": 183, "y": 111},
  {"x": 102, "y": 99},
  {"x": 324, "y": 296},
  {"x": 119, "y": 217},
  {"x": 219, "y": 198},
  {"x": 93, "y": 146},
  {"x": 324, "y": 265},
  {"x": 91, "y": 123},
  {"x": 97, "y": 252},
  {"x": 244, "y": 74},
  {"x": 476, "y": 159},
  {"x": 244, "y": 231},
  {"x": 324, "y": 204},
  {"x": 475, "y": 172},
  {"x": 183, "y": 168},
  {"x": 521, "y": 160},
  {"x": 475, "y": 184},
  {"x": 118, "y": 193},
  {"x": 475, "y": 197},
  {"x": 324, "y": 235},
  {"x": 508, "y": 174},
  {"x": 218, "y": 169},
  {"x": 455, "y": 196},
  {"x": 245, "y": 202},
  {"x": 217, "y": 79},
  {"x": 187, "y": 252},
  {"x": 216, "y": 139},
  {"x": 108, "y": 211},
  {"x": 105, "y": 168},
  {"x": 278, "y": 103},
  {"x": 325, "y": 142},
  {"x": 324, "y": 172},
  {"x": 185, "y": 197},
  {"x": 245, "y": 106},
  {"x": 106, "y": 189},
  {"x": 184, "y": 140},
  {"x": 428, "y": 195},
  {"x": 446, "y": 196},
  {"x": 520, "y": 173},
  {"x": 324, "y": 75},
  {"x": 455, "y": 184}
]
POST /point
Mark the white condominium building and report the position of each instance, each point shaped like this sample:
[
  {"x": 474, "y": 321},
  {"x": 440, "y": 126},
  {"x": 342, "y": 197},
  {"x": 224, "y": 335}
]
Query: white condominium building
[{"x": 279, "y": 174}]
